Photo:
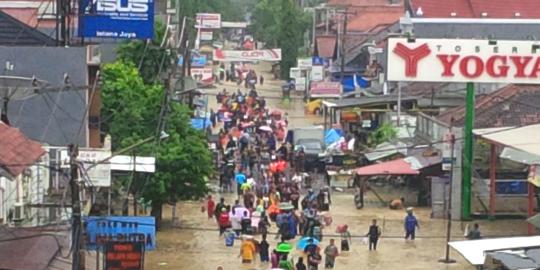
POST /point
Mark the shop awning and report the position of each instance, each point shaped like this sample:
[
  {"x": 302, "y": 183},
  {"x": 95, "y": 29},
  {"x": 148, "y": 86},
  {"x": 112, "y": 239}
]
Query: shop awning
[
  {"x": 520, "y": 138},
  {"x": 386, "y": 149},
  {"x": 394, "y": 167},
  {"x": 475, "y": 251}
]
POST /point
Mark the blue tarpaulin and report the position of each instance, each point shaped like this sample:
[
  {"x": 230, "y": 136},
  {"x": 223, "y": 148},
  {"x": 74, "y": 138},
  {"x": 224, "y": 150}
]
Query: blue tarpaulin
[
  {"x": 332, "y": 136},
  {"x": 198, "y": 123},
  {"x": 349, "y": 86}
]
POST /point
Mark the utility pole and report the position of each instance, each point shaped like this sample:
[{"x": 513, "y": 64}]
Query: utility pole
[
  {"x": 76, "y": 207},
  {"x": 343, "y": 34},
  {"x": 449, "y": 208}
]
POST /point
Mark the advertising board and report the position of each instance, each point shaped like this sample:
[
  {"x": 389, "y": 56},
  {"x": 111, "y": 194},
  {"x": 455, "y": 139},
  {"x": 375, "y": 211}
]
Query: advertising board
[
  {"x": 196, "y": 60},
  {"x": 325, "y": 89},
  {"x": 253, "y": 55},
  {"x": 124, "y": 256},
  {"x": 464, "y": 60},
  {"x": 99, "y": 175},
  {"x": 131, "y": 19},
  {"x": 122, "y": 229},
  {"x": 208, "y": 20},
  {"x": 317, "y": 73}
]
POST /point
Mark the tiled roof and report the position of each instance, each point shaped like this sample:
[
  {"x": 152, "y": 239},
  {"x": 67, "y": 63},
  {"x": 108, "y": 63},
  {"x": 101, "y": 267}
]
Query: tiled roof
[
  {"x": 367, "y": 21},
  {"x": 16, "y": 151},
  {"x": 363, "y": 2},
  {"x": 326, "y": 46},
  {"x": 512, "y": 105},
  {"x": 475, "y": 8},
  {"x": 15, "y": 33}
]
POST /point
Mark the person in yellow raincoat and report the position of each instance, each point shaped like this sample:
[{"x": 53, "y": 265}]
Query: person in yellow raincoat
[{"x": 247, "y": 250}]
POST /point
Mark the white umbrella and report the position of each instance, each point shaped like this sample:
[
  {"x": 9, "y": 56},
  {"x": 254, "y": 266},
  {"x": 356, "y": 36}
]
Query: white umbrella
[{"x": 266, "y": 128}]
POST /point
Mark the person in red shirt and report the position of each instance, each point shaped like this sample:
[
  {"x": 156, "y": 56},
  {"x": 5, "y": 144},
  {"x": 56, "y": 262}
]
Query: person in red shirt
[
  {"x": 223, "y": 221},
  {"x": 210, "y": 206}
]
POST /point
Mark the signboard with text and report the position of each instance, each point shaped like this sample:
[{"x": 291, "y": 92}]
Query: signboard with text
[
  {"x": 317, "y": 73},
  {"x": 463, "y": 60},
  {"x": 305, "y": 63},
  {"x": 99, "y": 175},
  {"x": 295, "y": 73},
  {"x": 123, "y": 229},
  {"x": 253, "y": 55},
  {"x": 196, "y": 60},
  {"x": 325, "y": 89},
  {"x": 124, "y": 256},
  {"x": 208, "y": 20},
  {"x": 300, "y": 84},
  {"x": 202, "y": 75},
  {"x": 207, "y": 35},
  {"x": 132, "y": 19}
]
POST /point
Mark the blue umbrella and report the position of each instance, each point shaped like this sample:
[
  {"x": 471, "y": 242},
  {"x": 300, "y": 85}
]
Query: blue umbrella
[{"x": 302, "y": 243}]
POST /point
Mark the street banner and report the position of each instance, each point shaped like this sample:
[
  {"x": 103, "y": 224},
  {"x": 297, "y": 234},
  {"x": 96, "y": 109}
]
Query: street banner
[
  {"x": 253, "y": 55},
  {"x": 317, "y": 73},
  {"x": 208, "y": 20},
  {"x": 325, "y": 89},
  {"x": 122, "y": 229},
  {"x": 295, "y": 73},
  {"x": 124, "y": 256},
  {"x": 464, "y": 60},
  {"x": 131, "y": 19},
  {"x": 98, "y": 175}
]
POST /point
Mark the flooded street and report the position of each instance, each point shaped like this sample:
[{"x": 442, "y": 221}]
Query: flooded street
[{"x": 194, "y": 243}]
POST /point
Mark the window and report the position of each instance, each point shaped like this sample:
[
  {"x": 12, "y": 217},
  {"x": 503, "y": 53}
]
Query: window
[{"x": 513, "y": 187}]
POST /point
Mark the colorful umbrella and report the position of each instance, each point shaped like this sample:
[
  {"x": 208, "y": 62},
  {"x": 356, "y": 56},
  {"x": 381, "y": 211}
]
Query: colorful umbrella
[
  {"x": 302, "y": 243},
  {"x": 284, "y": 247},
  {"x": 265, "y": 128}
]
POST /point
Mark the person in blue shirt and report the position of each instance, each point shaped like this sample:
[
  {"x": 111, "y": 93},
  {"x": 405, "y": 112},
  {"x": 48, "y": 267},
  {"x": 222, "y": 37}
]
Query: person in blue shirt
[
  {"x": 240, "y": 178},
  {"x": 410, "y": 224}
]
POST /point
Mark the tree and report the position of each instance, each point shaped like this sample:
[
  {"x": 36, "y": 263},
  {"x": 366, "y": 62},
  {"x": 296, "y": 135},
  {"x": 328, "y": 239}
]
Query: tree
[
  {"x": 151, "y": 59},
  {"x": 280, "y": 24},
  {"x": 183, "y": 161},
  {"x": 386, "y": 132}
]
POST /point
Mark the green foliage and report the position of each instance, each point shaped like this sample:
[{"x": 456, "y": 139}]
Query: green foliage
[
  {"x": 280, "y": 23},
  {"x": 230, "y": 10},
  {"x": 384, "y": 133},
  {"x": 155, "y": 60},
  {"x": 183, "y": 160}
]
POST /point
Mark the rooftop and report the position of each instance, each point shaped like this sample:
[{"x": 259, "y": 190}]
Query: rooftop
[
  {"x": 16, "y": 151},
  {"x": 512, "y": 105},
  {"x": 477, "y": 8}
]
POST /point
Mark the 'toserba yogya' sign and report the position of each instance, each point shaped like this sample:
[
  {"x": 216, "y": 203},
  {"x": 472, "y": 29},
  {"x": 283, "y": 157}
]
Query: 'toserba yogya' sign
[{"x": 463, "y": 60}]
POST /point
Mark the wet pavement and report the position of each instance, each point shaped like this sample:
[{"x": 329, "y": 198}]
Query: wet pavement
[{"x": 195, "y": 244}]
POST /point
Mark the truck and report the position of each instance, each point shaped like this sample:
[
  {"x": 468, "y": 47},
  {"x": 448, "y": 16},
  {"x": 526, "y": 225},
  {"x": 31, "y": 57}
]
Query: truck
[{"x": 311, "y": 139}]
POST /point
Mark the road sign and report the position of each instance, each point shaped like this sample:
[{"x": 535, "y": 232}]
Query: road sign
[{"x": 126, "y": 229}]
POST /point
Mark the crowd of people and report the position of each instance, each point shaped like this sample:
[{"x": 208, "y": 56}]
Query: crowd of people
[{"x": 269, "y": 178}]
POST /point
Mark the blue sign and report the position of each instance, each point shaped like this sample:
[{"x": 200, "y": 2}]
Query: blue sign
[
  {"x": 133, "y": 19},
  {"x": 196, "y": 61},
  {"x": 318, "y": 61},
  {"x": 102, "y": 230}
]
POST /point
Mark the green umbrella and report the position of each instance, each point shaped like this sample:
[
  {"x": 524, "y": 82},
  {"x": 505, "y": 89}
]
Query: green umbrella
[
  {"x": 535, "y": 221},
  {"x": 284, "y": 247}
]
